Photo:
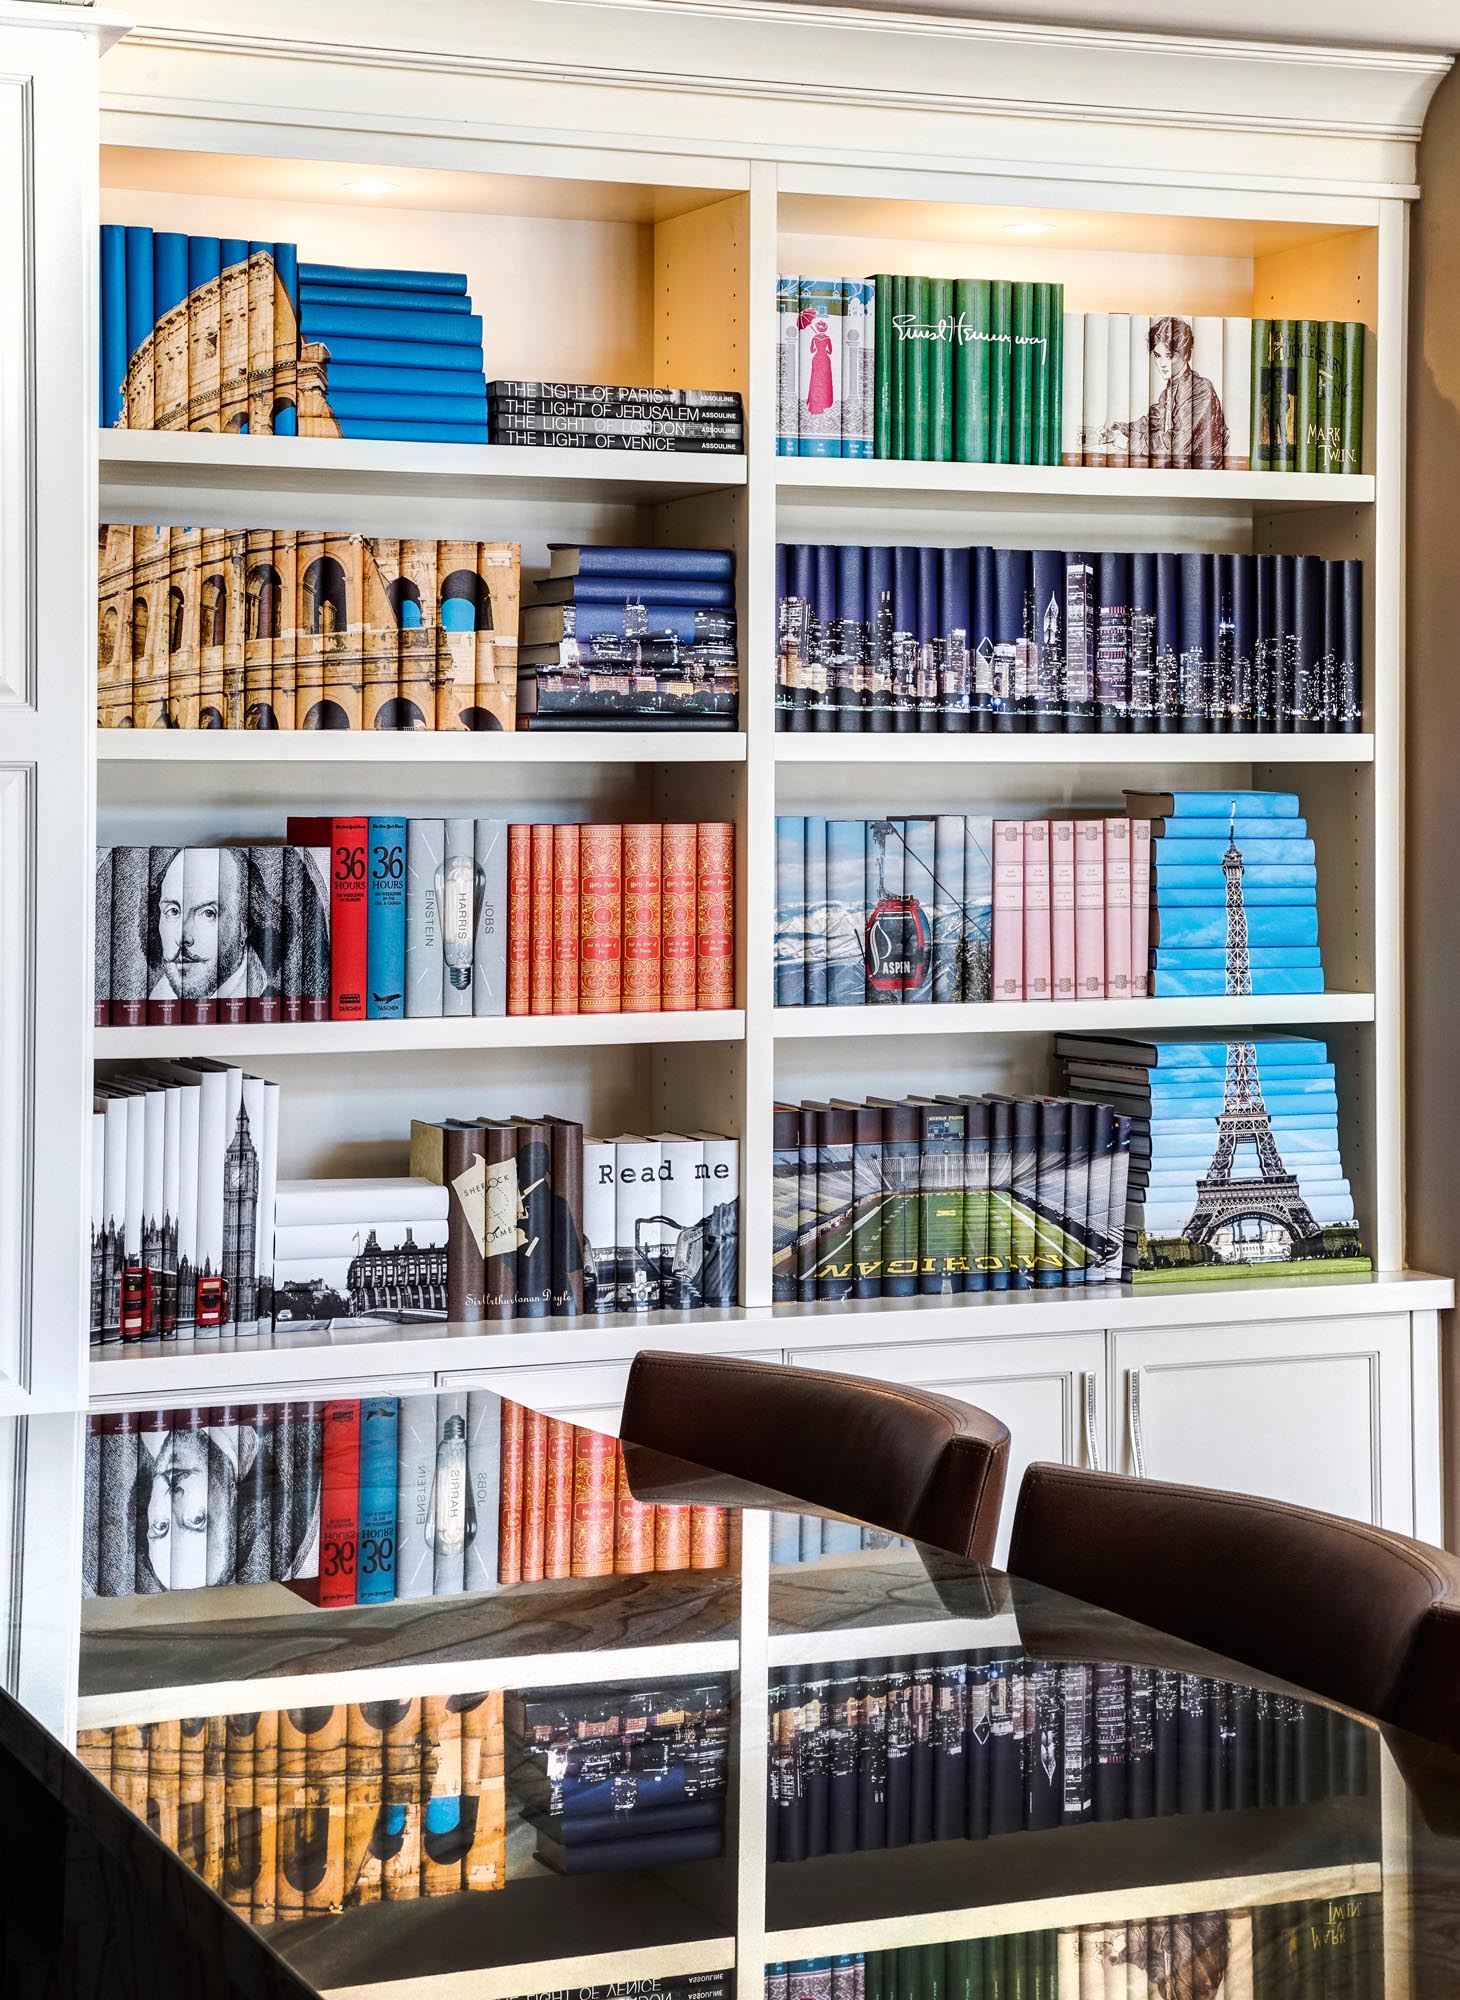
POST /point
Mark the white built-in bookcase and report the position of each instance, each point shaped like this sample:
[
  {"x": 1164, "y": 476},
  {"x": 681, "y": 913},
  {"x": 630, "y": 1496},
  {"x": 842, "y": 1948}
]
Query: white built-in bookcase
[{"x": 627, "y": 224}]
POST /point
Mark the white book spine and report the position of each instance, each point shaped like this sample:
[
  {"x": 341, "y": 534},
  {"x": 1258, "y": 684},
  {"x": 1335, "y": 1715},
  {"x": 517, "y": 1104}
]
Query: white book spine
[
  {"x": 599, "y": 1222},
  {"x": 1097, "y": 389},
  {"x": 247, "y": 1305},
  {"x": 195, "y": 980},
  {"x": 1118, "y": 398},
  {"x": 680, "y": 1196},
  {"x": 1237, "y": 392},
  {"x": 788, "y": 305},
  {"x": 333, "y": 1240},
  {"x": 637, "y": 1238},
  {"x": 459, "y": 901},
  {"x": 721, "y": 1282},
  {"x": 154, "y": 1184},
  {"x": 415, "y": 1477},
  {"x": 1109, "y": 1271},
  {"x": 869, "y": 367},
  {"x": 1072, "y": 391},
  {"x": 98, "y": 1228},
  {"x": 425, "y": 966},
  {"x": 450, "y": 1504},
  {"x": 135, "y": 1210},
  {"x": 484, "y": 1469},
  {"x": 171, "y": 1187},
  {"x": 190, "y": 1098},
  {"x": 855, "y": 412},
  {"x": 489, "y": 953},
  {"x": 268, "y": 1183},
  {"x": 1139, "y": 347},
  {"x": 114, "y": 1202},
  {"x": 1209, "y": 437},
  {"x": 405, "y": 1198}
]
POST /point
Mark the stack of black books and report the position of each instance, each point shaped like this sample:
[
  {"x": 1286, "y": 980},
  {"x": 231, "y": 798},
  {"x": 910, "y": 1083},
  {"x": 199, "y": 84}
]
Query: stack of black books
[
  {"x": 627, "y": 1777},
  {"x": 871, "y": 1754},
  {"x": 591, "y": 416},
  {"x": 630, "y": 638}
]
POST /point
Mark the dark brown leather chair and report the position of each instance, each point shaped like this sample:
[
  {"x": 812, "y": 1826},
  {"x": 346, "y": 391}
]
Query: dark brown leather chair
[
  {"x": 920, "y": 1465},
  {"x": 1362, "y": 1616}
]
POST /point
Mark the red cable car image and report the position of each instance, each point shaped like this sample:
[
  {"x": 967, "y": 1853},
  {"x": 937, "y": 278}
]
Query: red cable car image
[{"x": 899, "y": 947}]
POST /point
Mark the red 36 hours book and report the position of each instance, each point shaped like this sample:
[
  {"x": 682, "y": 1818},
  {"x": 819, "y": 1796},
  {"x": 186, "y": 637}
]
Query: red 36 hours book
[
  {"x": 346, "y": 840},
  {"x": 339, "y": 1503},
  {"x": 715, "y": 915}
]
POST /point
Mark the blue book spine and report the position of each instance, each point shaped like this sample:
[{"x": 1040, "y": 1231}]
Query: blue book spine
[
  {"x": 809, "y": 1526},
  {"x": 1248, "y": 805},
  {"x": 714, "y": 565},
  {"x": 1257, "y": 896},
  {"x": 839, "y": 1538},
  {"x": 1174, "y": 959},
  {"x": 378, "y": 427},
  {"x": 349, "y": 378},
  {"x": 381, "y": 298},
  {"x": 846, "y": 975},
  {"x": 232, "y": 250},
  {"x": 169, "y": 271},
  {"x": 919, "y": 839},
  {"x": 113, "y": 322},
  {"x": 385, "y": 922},
  {"x": 1210, "y": 853},
  {"x": 1168, "y": 984},
  {"x": 286, "y": 276},
  {"x": 437, "y": 329},
  {"x": 862, "y": 445},
  {"x": 788, "y": 427},
  {"x": 955, "y": 597},
  {"x": 375, "y": 1569},
  {"x": 379, "y": 280},
  {"x": 205, "y": 260},
  {"x": 139, "y": 288},
  {"x": 1255, "y": 875},
  {"x": 815, "y": 911},
  {"x": 677, "y": 620},
  {"x": 699, "y": 594},
  {"x": 364, "y": 351},
  {"x": 790, "y": 954},
  {"x": 470, "y": 408},
  {"x": 1220, "y": 828},
  {"x": 785, "y": 1537}
]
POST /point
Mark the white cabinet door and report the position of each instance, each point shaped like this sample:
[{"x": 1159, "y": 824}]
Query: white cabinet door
[
  {"x": 1037, "y": 1384},
  {"x": 587, "y": 1393},
  {"x": 1311, "y": 1411}
]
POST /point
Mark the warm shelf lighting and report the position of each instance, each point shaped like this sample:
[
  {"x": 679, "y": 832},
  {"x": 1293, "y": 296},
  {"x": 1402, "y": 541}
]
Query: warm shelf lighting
[
  {"x": 370, "y": 184},
  {"x": 1028, "y": 228}
]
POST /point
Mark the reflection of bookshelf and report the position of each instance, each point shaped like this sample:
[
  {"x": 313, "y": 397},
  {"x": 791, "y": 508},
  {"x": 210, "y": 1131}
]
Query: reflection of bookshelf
[{"x": 712, "y": 216}]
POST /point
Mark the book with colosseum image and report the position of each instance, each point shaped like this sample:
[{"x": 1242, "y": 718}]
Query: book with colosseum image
[
  {"x": 290, "y": 628},
  {"x": 218, "y": 334}
]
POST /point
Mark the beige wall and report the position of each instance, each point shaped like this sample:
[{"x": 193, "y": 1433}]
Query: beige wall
[{"x": 1432, "y": 1009}]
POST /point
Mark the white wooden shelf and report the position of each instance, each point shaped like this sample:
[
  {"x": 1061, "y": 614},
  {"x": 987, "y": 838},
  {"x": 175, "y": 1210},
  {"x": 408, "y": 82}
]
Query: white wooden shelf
[
  {"x": 869, "y": 482},
  {"x": 469, "y": 1033},
  {"x": 152, "y": 468},
  {"x": 1024, "y": 747},
  {"x": 151, "y": 1374},
  {"x": 1035, "y": 1017},
  {"x": 386, "y": 749}
]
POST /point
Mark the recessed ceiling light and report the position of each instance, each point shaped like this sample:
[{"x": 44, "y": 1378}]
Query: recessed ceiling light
[
  {"x": 370, "y": 184},
  {"x": 1028, "y": 228}
]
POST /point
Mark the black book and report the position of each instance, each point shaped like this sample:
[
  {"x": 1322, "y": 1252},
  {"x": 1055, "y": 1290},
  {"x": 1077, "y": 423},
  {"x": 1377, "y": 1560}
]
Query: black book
[
  {"x": 940, "y": 1198},
  {"x": 930, "y": 642},
  {"x": 1078, "y": 698},
  {"x": 811, "y": 1757},
  {"x": 907, "y": 689},
  {"x": 1217, "y": 703},
  {"x": 950, "y": 1748},
  {"x": 1286, "y": 1720},
  {"x": 1311, "y": 1760},
  {"x": 1242, "y": 1780},
  {"x": 534, "y": 1266},
  {"x": 851, "y": 660},
  {"x": 783, "y": 634},
  {"x": 977, "y": 1754},
  {"x": 1285, "y": 644},
  {"x": 1219, "y": 1742},
  {"x": 727, "y": 400},
  {"x": 1244, "y": 640},
  {"x": 825, "y": 695},
  {"x": 1080, "y": 1118},
  {"x": 1196, "y": 588},
  {"x": 975, "y": 1194},
  {"x": 1264, "y": 1773},
  {"x": 878, "y": 598},
  {"x": 790, "y": 1813},
  {"x": 867, "y": 1197},
  {"x": 955, "y": 587},
  {"x": 1112, "y": 1744},
  {"x": 1006, "y": 1778},
  {"x": 872, "y": 1756},
  {"x": 1044, "y": 1756},
  {"x": 646, "y": 719},
  {"x": 1047, "y": 637},
  {"x": 804, "y": 643},
  {"x": 1165, "y": 1705},
  {"x": 653, "y": 1850},
  {"x": 607, "y": 438},
  {"x": 902, "y": 1169},
  {"x": 1112, "y": 642},
  {"x": 1001, "y": 1164},
  {"x": 1351, "y": 647},
  {"x": 807, "y": 1245},
  {"x": 1166, "y": 699},
  {"x": 924, "y": 1698},
  {"x": 785, "y": 1200},
  {"x": 1024, "y": 1190},
  {"x": 594, "y": 1828},
  {"x": 1264, "y": 643},
  {"x": 899, "y": 1747},
  {"x": 1012, "y": 707},
  {"x": 840, "y": 1730},
  {"x": 1308, "y": 608},
  {"x": 1140, "y": 1743},
  {"x": 1050, "y": 1249},
  {"x": 835, "y": 1131},
  {"x": 981, "y": 641},
  {"x": 1142, "y": 716},
  {"x": 255, "y": 1509},
  {"x": 1193, "y": 1726}
]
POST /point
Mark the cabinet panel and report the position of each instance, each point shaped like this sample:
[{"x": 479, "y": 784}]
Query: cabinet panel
[
  {"x": 1314, "y": 1412},
  {"x": 1037, "y": 1385},
  {"x": 589, "y": 1393}
]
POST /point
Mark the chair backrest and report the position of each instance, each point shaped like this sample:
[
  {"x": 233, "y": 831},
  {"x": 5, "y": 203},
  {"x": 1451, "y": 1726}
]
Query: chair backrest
[
  {"x": 1358, "y": 1614},
  {"x": 918, "y": 1464}
]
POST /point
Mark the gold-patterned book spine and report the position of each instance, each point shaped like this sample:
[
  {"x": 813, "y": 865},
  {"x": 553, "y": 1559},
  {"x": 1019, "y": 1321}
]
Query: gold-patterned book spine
[
  {"x": 600, "y": 919},
  {"x": 344, "y": 658},
  {"x": 190, "y": 1791},
  {"x": 261, "y": 342},
  {"x": 565, "y": 919},
  {"x": 379, "y": 569},
  {"x": 312, "y": 599},
  {"x": 114, "y": 628},
  {"x": 266, "y": 1807},
  {"x": 240, "y": 1814},
  {"x": 164, "y": 1751},
  {"x": 499, "y": 568},
  {"x": 364, "y": 1779},
  {"x": 643, "y": 916},
  {"x": 441, "y": 1819},
  {"x": 715, "y": 915},
  {"x": 260, "y": 617},
  {"x": 484, "y": 1788},
  {"x": 679, "y": 938},
  {"x": 184, "y": 668},
  {"x": 285, "y": 679},
  {"x": 457, "y": 588},
  {"x": 541, "y": 963},
  {"x": 292, "y": 1836},
  {"x": 417, "y": 637},
  {"x": 402, "y": 1872},
  {"x": 215, "y": 1789},
  {"x": 325, "y": 1888}
]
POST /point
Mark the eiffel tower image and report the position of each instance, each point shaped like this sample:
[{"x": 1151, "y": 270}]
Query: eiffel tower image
[{"x": 1245, "y": 1207}]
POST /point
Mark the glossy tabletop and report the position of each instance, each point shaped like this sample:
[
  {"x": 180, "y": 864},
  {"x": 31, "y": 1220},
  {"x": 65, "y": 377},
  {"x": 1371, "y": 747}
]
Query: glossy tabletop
[{"x": 859, "y": 1771}]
